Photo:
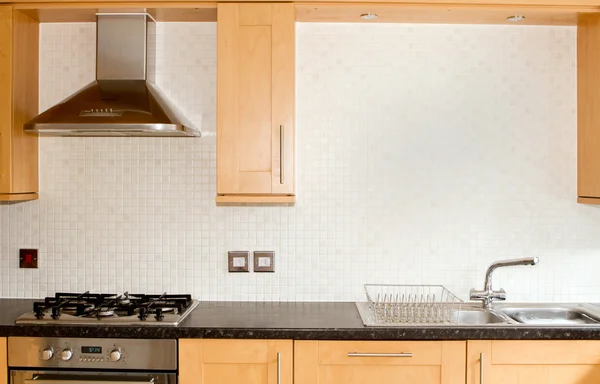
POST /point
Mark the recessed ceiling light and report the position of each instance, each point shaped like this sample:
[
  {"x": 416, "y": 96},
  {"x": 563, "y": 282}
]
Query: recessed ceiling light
[
  {"x": 516, "y": 18},
  {"x": 369, "y": 16}
]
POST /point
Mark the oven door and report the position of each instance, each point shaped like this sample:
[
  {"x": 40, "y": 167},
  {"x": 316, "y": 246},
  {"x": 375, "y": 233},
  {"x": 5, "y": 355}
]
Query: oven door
[{"x": 90, "y": 377}]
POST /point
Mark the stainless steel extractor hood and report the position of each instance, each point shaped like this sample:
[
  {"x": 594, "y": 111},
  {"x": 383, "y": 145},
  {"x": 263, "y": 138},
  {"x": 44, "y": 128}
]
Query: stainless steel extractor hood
[{"x": 120, "y": 102}]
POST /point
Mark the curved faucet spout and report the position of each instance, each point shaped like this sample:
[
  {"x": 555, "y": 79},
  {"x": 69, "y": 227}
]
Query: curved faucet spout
[
  {"x": 488, "y": 295},
  {"x": 506, "y": 263}
]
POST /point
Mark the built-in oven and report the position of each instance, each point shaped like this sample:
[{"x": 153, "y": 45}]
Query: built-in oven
[{"x": 37, "y": 360}]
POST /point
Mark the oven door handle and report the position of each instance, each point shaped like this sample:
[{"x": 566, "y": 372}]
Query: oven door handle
[{"x": 66, "y": 380}]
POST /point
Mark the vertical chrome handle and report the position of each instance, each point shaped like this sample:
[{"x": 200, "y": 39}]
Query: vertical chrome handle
[
  {"x": 281, "y": 154},
  {"x": 278, "y": 368},
  {"x": 481, "y": 368}
]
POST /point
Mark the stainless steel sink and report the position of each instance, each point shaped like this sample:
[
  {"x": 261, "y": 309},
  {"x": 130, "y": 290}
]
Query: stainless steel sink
[
  {"x": 473, "y": 316},
  {"x": 551, "y": 314},
  {"x": 512, "y": 315}
]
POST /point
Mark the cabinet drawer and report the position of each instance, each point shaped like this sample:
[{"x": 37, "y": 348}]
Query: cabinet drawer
[
  {"x": 382, "y": 353},
  {"x": 542, "y": 352}
]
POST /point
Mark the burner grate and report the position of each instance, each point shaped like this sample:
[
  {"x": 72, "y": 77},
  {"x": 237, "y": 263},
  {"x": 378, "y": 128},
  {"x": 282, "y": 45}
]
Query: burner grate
[{"x": 101, "y": 305}]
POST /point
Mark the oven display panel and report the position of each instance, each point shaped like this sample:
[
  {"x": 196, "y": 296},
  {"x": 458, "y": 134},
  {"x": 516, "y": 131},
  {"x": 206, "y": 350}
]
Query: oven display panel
[{"x": 91, "y": 349}]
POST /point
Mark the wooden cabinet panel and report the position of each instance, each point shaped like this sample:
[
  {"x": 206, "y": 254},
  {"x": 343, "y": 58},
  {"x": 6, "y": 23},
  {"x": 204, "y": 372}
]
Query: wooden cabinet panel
[
  {"x": 329, "y": 362},
  {"x": 203, "y": 361},
  {"x": 3, "y": 362},
  {"x": 18, "y": 104},
  {"x": 316, "y": 3},
  {"x": 5, "y": 94},
  {"x": 255, "y": 102},
  {"x": 588, "y": 100},
  {"x": 540, "y": 362}
]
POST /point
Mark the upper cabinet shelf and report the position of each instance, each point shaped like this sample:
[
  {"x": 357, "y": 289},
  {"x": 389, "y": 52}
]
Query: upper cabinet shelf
[
  {"x": 59, "y": 12},
  {"x": 170, "y": 4},
  {"x": 537, "y": 12},
  {"x": 455, "y": 13}
]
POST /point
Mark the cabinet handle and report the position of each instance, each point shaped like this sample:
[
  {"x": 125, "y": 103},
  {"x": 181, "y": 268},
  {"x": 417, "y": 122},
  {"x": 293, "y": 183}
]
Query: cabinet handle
[
  {"x": 278, "y": 367},
  {"x": 281, "y": 154},
  {"x": 359, "y": 354},
  {"x": 481, "y": 368}
]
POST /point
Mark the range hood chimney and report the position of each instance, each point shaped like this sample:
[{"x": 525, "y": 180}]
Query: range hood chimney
[{"x": 120, "y": 102}]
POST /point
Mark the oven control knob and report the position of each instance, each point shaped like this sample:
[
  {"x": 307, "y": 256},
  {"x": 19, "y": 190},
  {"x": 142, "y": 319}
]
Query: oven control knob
[
  {"x": 115, "y": 355},
  {"x": 47, "y": 353},
  {"x": 66, "y": 354}
]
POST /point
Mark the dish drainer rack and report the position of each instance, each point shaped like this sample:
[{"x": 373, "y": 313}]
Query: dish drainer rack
[{"x": 401, "y": 304}]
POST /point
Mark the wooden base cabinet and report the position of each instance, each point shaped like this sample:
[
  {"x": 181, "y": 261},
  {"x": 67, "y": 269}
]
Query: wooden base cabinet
[
  {"x": 255, "y": 103},
  {"x": 533, "y": 362},
  {"x": 19, "y": 39},
  {"x": 3, "y": 361},
  {"x": 379, "y": 362},
  {"x": 203, "y": 361}
]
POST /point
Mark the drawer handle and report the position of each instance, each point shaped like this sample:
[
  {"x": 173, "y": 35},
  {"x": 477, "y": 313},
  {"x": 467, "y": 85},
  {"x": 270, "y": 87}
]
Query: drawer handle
[
  {"x": 481, "y": 376},
  {"x": 278, "y": 367},
  {"x": 360, "y": 354}
]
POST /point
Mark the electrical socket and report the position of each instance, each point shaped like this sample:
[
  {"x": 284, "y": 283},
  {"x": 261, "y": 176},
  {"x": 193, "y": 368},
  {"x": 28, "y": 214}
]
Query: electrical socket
[
  {"x": 264, "y": 261},
  {"x": 238, "y": 261},
  {"x": 28, "y": 258}
]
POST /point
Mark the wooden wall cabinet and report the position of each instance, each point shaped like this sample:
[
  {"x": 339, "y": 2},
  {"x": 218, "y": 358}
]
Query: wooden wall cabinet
[
  {"x": 19, "y": 39},
  {"x": 533, "y": 361},
  {"x": 255, "y": 103},
  {"x": 205, "y": 361},
  {"x": 588, "y": 115},
  {"x": 332, "y": 362}
]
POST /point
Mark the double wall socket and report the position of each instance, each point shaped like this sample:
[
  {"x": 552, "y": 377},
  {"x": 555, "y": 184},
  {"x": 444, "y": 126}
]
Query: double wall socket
[{"x": 264, "y": 261}]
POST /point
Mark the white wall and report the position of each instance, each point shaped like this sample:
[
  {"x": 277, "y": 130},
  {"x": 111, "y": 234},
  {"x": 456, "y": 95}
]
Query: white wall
[{"x": 424, "y": 153}]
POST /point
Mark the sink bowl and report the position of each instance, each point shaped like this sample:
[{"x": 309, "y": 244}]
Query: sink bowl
[
  {"x": 469, "y": 315},
  {"x": 552, "y": 314},
  {"x": 480, "y": 317}
]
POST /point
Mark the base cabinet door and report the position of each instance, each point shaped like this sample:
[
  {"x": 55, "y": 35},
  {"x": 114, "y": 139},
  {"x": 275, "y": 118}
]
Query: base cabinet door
[
  {"x": 533, "y": 361},
  {"x": 3, "y": 362},
  {"x": 203, "y": 361},
  {"x": 379, "y": 362}
]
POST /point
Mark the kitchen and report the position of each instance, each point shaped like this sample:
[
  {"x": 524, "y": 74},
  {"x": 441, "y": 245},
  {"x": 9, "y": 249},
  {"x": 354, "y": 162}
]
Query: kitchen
[{"x": 399, "y": 179}]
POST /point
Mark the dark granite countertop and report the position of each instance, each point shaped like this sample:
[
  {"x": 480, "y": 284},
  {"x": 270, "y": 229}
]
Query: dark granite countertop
[{"x": 302, "y": 321}]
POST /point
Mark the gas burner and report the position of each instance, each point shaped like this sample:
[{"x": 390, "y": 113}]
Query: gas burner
[
  {"x": 93, "y": 308},
  {"x": 125, "y": 299}
]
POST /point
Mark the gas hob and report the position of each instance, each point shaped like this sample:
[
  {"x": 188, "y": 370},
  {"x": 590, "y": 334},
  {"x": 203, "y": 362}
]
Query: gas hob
[{"x": 109, "y": 309}]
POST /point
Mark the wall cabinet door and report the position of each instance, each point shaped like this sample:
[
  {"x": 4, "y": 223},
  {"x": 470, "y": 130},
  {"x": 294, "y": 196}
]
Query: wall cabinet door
[
  {"x": 533, "y": 361},
  {"x": 379, "y": 362},
  {"x": 588, "y": 102},
  {"x": 255, "y": 102},
  {"x": 203, "y": 361},
  {"x": 19, "y": 38}
]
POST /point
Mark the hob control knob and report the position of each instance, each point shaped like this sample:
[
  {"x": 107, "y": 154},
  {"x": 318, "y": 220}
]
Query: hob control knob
[
  {"x": 47, "y": 354},
  {"x": 115, "y": 355},
  {"x": 66, "y": 354}
]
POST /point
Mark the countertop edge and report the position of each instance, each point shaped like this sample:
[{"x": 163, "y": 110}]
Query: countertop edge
[{"x": 408, "y": 333}]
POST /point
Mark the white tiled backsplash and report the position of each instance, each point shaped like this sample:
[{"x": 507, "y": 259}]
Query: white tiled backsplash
[{"x": 424, "y": 153}]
